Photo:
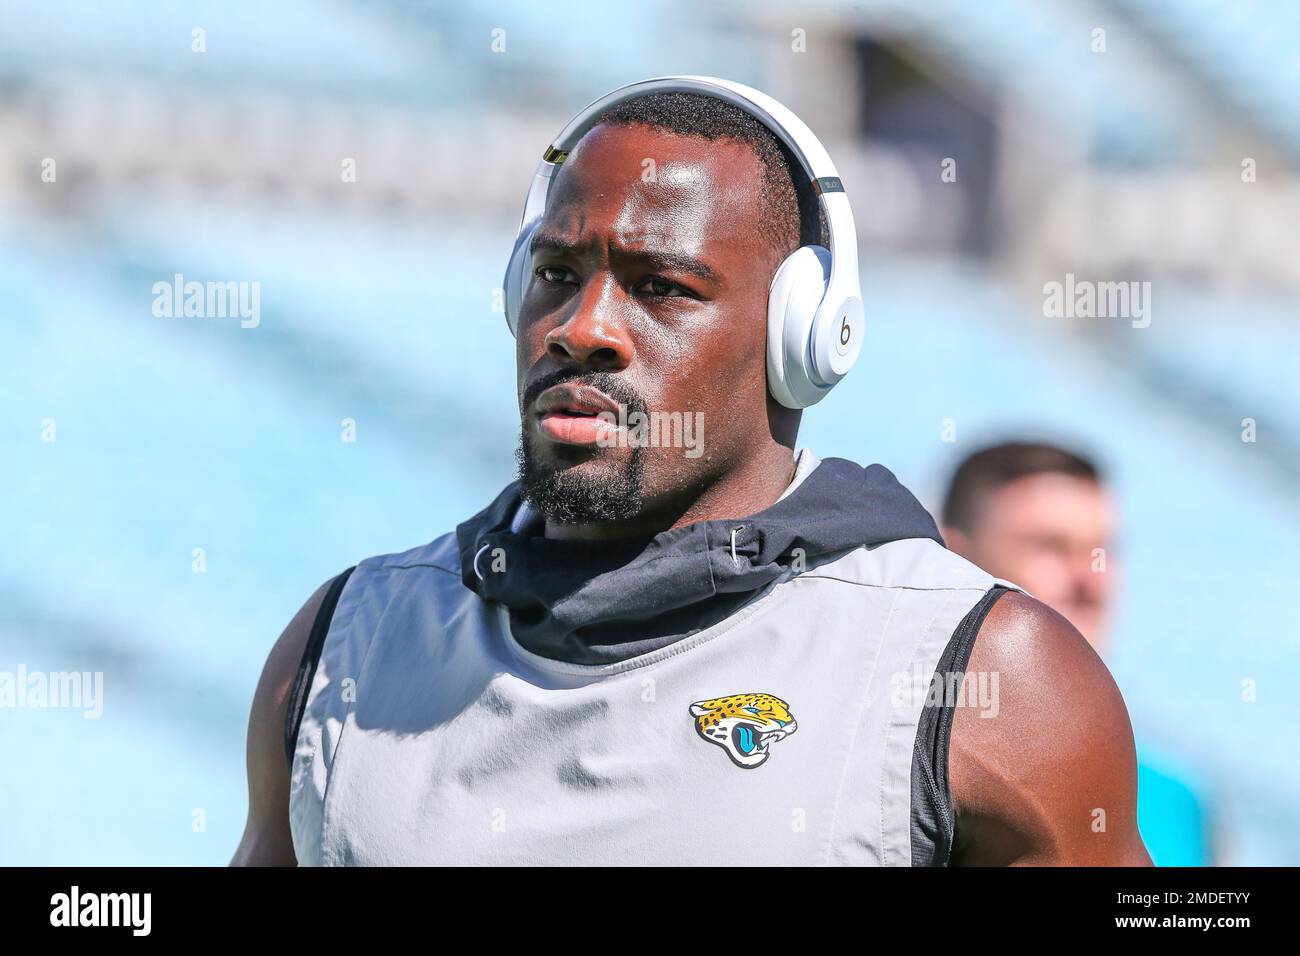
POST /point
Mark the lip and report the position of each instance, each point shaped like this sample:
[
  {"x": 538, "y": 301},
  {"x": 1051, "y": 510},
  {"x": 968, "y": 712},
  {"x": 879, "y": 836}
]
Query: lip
[
  {"x": 567, "y": 414},
  {"x": 574, "y": 398}
]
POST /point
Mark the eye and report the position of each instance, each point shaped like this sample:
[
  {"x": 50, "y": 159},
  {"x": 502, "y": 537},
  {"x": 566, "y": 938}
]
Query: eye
[
  {"x": 552, "y": 274},
  {"x": 661, "y": 288},
  {"x": 752, "y": 710}
]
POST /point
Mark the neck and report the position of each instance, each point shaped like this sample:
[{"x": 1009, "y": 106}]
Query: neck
[{"x": 738, "y": 492}]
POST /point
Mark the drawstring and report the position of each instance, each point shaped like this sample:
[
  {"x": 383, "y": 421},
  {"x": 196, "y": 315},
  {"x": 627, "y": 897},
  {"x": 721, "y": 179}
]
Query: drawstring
[
  {"x": 735, "y": 531},
  {"x": 476, "y": 557}
]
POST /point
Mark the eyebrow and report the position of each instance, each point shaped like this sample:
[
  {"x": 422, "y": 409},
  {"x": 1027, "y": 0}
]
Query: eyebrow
[{"x": 661, "y": 259}]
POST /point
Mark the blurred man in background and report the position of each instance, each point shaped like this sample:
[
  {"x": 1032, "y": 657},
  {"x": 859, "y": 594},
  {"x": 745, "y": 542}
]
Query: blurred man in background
[{"x": 1042, "y": 516}]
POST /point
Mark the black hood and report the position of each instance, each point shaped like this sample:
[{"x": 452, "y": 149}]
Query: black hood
[{"x": 600, "y": 602}]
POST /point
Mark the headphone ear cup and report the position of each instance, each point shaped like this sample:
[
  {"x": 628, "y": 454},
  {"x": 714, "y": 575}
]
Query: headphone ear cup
[
  {"x": 518, "y": 272},
  {"x": 796, "y": 293}
]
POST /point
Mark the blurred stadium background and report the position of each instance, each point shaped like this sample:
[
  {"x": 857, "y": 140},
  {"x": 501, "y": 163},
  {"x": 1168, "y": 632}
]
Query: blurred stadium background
[{"x": 378, "y": 298}]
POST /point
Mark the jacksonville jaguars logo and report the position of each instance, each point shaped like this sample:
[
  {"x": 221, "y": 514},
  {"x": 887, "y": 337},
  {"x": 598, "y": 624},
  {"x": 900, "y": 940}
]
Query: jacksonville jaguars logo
[{"x": 744, "y": 725}]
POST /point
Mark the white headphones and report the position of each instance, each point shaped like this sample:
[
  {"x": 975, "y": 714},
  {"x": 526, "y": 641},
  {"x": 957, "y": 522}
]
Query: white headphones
[{"x": 814, "y": 310}]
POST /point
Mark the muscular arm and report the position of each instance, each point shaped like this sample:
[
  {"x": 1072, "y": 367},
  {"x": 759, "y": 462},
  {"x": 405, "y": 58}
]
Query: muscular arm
[
  {"x": 266, "y": 840},
  {"x": 1051, "y": 780}
]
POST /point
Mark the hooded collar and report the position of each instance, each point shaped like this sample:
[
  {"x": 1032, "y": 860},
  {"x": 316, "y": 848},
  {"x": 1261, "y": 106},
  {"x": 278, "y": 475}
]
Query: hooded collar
[{"x": 586, "y": 602}]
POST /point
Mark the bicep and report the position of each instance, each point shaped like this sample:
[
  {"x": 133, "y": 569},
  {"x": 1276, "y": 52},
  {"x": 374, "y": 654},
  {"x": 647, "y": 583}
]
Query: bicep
[
  {"x": 267, "y": 840},
  {"x": 1049, "y": 775}
]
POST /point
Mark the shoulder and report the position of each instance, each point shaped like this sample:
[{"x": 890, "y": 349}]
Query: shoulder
[
  {"x": 267, "y": 839},
  {"x": 271, "y": 700},
  {"x": 1049, "y": 774},
  {"x": 339, "y": 621},
  {"x": 442, "y": 554},
  {"x": 914, "y": 563},
  {"x": 279, "y": 692}
]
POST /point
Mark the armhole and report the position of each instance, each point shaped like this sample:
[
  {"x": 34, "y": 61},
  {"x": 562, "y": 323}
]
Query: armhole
[
  {"x": 933, "y": 822},
  {"x": 320, "y": 629}
]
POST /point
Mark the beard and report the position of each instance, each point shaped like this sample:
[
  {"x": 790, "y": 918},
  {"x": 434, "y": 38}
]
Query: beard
[{"x": 570, "y": 493}]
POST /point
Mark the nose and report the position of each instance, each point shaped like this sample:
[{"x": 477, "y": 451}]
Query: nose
[{"x": 593, "y": 337}]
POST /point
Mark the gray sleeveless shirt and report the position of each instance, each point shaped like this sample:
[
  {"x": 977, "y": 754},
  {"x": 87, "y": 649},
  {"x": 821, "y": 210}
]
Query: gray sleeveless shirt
[{"x": 446, "y": 723}]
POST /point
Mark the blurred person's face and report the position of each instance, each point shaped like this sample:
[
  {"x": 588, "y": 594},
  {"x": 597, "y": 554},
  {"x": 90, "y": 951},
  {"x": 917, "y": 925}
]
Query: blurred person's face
[
  {"x": 650, "y": 292},
  {"x": 1041, "y": 532}
]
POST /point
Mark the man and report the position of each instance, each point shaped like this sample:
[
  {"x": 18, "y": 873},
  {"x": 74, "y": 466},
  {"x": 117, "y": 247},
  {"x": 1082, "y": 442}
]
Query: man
[
  {"x": 1043, "y": 517},
  {"x": 648, "y": 654},
  {"x": 1040, "y": 516}
]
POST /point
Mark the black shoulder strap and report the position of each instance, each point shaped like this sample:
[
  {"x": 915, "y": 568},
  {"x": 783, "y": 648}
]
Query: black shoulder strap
[
  {"x": 320, "y": 628},
  {"x": 933, "y": 822}
]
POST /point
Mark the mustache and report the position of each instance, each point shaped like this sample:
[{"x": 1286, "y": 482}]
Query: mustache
[{"x": 612, "y": 385}]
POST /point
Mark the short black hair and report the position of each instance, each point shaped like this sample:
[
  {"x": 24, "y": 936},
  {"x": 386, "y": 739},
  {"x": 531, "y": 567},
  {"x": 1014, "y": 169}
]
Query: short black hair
[
  {"x": 794, "y": 216},
  {"x": 985, "y": 471}
]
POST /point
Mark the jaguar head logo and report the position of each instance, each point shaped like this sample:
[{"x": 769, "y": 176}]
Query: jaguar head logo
[{"x": 744, "y": 725}]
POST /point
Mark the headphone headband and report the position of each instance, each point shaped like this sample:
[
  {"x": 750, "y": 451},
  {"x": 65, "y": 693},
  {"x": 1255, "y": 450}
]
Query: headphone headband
[
  {"x": 779, "y": 120},
  {"x": 787, "y": 127}
]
